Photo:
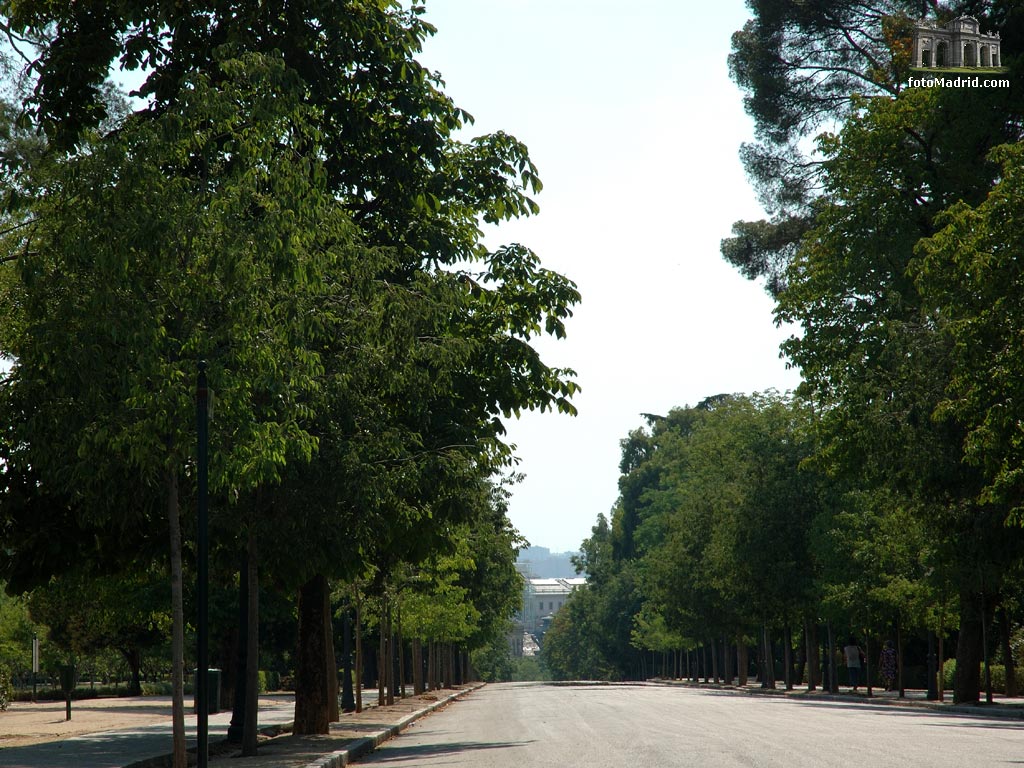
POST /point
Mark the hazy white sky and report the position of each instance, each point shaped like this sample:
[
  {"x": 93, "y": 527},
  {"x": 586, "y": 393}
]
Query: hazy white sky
[{"x": 631, "y": 118}]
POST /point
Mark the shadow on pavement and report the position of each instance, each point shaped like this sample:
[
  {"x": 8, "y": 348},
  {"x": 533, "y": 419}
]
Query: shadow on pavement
[
  {"x": 978, "y": 719},
  {"x": 392, "y": 753},
  {"x": 97, "y": 750}
]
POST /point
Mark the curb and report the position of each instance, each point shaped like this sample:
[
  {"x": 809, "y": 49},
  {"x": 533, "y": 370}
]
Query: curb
[{"x": 362, "y": 747}]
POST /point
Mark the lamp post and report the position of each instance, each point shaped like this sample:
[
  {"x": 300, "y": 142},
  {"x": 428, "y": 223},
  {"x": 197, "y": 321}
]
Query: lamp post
[{"x": 202, "y": 572}]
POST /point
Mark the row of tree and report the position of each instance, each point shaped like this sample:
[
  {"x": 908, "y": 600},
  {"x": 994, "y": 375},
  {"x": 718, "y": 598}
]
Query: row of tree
[
  {"x": 891, "y": 489},
  {"x": 288, "y": 199}
]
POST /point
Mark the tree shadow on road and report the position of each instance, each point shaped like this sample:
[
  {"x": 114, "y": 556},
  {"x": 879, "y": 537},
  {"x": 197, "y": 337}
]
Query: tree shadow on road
[
  {"x": 977, "y": 719},
  {"x": 395, "y": 752}
]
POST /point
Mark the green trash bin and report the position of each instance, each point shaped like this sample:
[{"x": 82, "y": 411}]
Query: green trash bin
[{"x": 212, "y": 693}]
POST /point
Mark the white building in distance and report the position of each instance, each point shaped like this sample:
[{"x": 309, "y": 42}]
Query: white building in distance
[{"x": 542, "y": 599}]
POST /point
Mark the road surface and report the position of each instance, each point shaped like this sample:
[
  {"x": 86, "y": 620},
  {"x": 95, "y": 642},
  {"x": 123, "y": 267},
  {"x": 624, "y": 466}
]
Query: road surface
[{"x": 524, "y": 725}]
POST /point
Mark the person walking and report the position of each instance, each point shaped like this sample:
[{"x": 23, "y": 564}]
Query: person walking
[
  {"x": 853, "y": 655},
  {"x": 887, "y": 665}
]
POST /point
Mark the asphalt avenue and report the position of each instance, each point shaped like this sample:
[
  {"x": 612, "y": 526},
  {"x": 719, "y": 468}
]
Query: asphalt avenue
[
  {"x": 651, "y": 725},
  {"x": 589, "y": 724}
]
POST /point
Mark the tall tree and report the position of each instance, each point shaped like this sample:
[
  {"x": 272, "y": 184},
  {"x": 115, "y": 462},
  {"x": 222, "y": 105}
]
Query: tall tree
[
  {"x": 381, "y": 141},
  {"x": 802, "y": 66},
  {"x": 169, "y": 241},
  {"x": 870, "y": 354}
]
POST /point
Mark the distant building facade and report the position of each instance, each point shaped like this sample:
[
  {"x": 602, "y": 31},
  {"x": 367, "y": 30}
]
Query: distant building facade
[
  {"x": 542, "y": 599},
  {"x": 959, "y": 43}
]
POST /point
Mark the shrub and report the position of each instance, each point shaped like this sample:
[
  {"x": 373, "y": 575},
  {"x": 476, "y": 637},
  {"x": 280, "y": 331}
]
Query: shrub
[
  {"x": 157, "y": 689},
  {"x": 998, "y": 676},
  {"x": 948, "y": 673},
  {"x": 269, "y": 680}
]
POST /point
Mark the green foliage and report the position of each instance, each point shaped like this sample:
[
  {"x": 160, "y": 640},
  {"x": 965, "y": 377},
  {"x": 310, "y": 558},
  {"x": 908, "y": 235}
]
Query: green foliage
[
  {"x": 16, "y": 632},
  {"x": 969, "y": 269},
  {"x": 572, "y": 646},
  {"x": 494, "y": 663},
  {"x": 733, "y": 507},
  {"x": 86, "y": 615},
  {"x": 269, "y": 680},
  {"x": 530, "y": 668},
  {"x": 6, "y": 688}
]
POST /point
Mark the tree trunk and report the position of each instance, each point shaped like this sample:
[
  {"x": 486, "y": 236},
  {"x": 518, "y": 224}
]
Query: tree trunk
[
  {"x": 1010, "y": 667},
  {"x": 942, "y": 665},
  {"x": 967, "y": 683},
  {"x": 984, "y": 651},
  {"x": 446, "y": 665},
  {"x": 348, "y": 702},
  {"x": 252, "y": 645},
  {"x": 401, "y": 651},
  {"x": 389, "y": 662},
  {"x": 899, "y": 657},
  {"x": 833, "y": 672},
  {"x": 180, "y": 758},
  {"x": 430, "y": 665},
  {"x": 331, "y": 660},
  {"x": 359, "y": 650},
  {"x": 787, "y": 657},
  {"x": 867, "y": 664},
  {"x": 228, "y": 660},
  {"x": 240, "y": 668},
  {"x": 134, "y": 659},
  {"x": 417, "y": 666},
  {"x": 382, "y": 655},
  {"x": 933, "y": 688},
  {"x": 312, "y": 690},
  {"x": 769, "y": 659},
  {"x": 742, "y": 662},
  {"x": 813, "y": 655}
]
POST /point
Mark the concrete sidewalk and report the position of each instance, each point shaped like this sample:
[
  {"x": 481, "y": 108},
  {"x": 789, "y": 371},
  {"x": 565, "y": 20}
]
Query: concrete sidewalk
[
  {"x": 148, "y": 746},
  {"x": 1000, "y": 707}
]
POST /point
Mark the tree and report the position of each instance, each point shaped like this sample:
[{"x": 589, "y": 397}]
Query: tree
[
  {"x": 86, "y": 614},
  {"x": 873, "y": 362},
  {"x": 969, "y": 275},
  {"x": 16, "y": 631},
  {"x": 802, "y": 67},
  {"x": 380, "y": 139},
  {"x": 167, "y": 242}
]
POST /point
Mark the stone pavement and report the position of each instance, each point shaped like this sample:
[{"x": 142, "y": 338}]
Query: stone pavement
[{"x": 148, "y": 746}]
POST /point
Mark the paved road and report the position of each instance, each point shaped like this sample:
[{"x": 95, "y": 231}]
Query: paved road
[{"x": 530, "y": 724}]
